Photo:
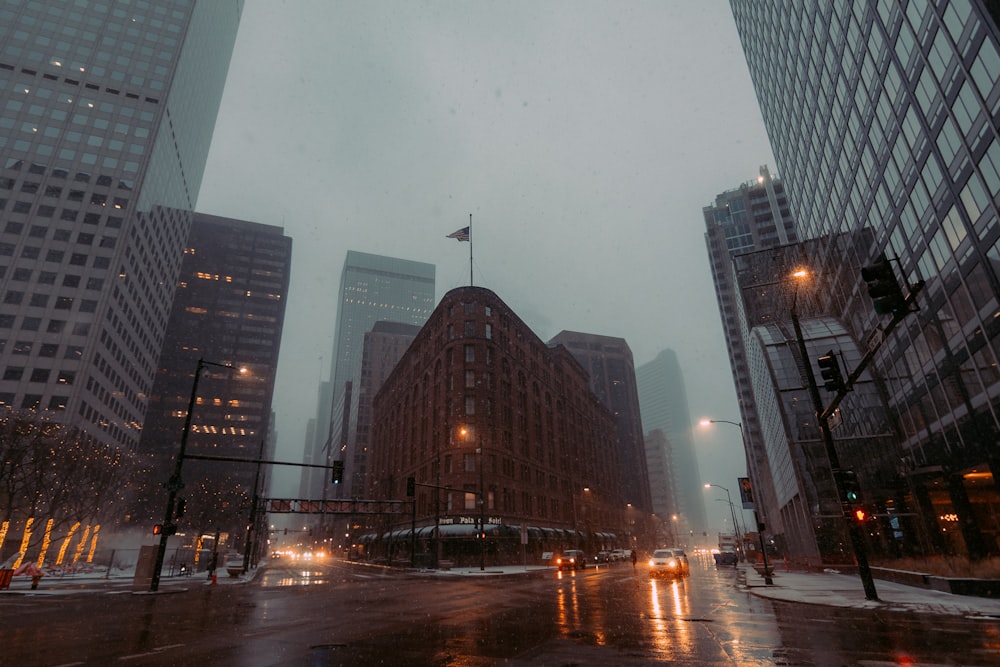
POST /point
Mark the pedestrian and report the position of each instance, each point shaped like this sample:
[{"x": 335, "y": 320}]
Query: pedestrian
[
  {"x": 212, "y": 563},
  {"x": 634, "y": 558}
]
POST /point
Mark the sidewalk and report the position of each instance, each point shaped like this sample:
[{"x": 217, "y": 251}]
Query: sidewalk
[{"x": 841, "y": 590}]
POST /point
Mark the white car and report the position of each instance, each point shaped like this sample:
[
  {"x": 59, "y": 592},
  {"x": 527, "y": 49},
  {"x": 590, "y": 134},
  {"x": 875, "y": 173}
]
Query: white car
[{"x": 665, "y": 563}]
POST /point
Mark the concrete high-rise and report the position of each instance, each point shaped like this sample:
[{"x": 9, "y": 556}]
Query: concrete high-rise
[
  {"x": 664, "y": 407},
  {"x": 372, "y": 288},
  {"x": 608, "y": 361},
  {"x": 108, "y": 111},
  {"x": 884, "y": 120},
  {"x": 754, "y": 216},
  {"x": 229, "y": 309}
]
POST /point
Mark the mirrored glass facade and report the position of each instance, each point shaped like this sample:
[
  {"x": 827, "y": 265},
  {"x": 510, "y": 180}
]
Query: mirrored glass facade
[{"x": 883, "y": 117}]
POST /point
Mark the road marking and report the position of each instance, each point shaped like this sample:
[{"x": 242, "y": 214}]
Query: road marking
[{"x": 155, "y": 651}]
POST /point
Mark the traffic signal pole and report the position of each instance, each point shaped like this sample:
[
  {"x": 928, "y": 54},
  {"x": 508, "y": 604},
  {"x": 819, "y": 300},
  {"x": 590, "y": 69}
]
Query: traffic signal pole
[{"x": 854, "y": 531}]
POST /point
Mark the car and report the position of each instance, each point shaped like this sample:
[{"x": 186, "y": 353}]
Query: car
[
  {"x": 681, "y": 556},
  {"x": 571, "y": 559},
  {"x": 617, "y": 554},
  {"x": 603, "y": 557},
  {"x": 665, "y": 563}
]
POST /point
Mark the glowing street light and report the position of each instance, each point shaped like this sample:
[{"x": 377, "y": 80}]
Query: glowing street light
[{"x": 175, "y": 484}]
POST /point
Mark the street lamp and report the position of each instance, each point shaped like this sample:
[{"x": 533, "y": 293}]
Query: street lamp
[
  {"x": 736, "y": 525},
  {"x": 760, "y": 526},
  {"x": 853, "y": 531},
  {"x": 175, "y": 484},
  {"x": 466, "y": 433}
]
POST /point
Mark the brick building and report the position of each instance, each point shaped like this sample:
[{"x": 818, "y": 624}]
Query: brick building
[{"x": 480, "y": 405}]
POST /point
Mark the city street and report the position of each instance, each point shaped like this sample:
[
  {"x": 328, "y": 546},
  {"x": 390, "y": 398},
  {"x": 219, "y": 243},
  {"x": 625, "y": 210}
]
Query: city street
[{"x": 337, "y": 613}]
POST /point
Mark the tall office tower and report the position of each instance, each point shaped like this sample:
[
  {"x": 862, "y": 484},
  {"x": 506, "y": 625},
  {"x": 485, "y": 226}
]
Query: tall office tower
[
  {"x": 384, "y": 346},
  {"x": 312, "y": 484},
  {"x": 480, "y": 408},
  {"x": 108, "y": 111},
  {"x": 228, "y": 309},
  {"x": 664, "y": 407},
  {"x": 883, "y": 117},
  {"x": 754, "y": 216},
  {"x": 608, "y": 360},
  {"x": 372, "y": 288}
]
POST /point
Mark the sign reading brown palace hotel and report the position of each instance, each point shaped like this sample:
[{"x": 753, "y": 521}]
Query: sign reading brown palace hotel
[{"x": 480, "y": 405}]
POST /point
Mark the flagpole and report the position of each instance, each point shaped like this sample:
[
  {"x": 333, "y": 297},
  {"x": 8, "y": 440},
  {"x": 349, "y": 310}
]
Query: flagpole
[{"x": 470, "y": 250}]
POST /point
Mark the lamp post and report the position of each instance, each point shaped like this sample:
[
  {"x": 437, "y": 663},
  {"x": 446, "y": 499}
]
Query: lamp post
[
  {"x": 854, "y": 533},
  {"x": 760, "y": 526},
  {"x": 467, "y": 434},
  {"x": 175, "y": 484},
  {"x": 251, "y": 522},
  {"x": 736, "y": 525}
]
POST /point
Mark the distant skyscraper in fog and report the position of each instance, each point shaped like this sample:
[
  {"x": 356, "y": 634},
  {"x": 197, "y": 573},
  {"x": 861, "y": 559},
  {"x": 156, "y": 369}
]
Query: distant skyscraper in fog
[
  {"x": 372, "y": 288},
  {"x": 664, "y": 406}
]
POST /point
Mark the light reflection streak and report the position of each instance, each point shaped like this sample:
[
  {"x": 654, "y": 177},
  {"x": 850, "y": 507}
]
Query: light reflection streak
[{"x": 568, "y": 607}]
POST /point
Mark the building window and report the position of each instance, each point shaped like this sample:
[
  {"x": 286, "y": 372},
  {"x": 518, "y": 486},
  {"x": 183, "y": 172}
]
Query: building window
[
  {"x": 470, "y": 352},
  {"x": 470, "y": 405},
  {"x": 470, "y": 328},
  {"x": 40, "y": 375},
  {"x": 58, "y": 402},
  {"x": 31, "y": 401},
  {"x": 489, "y": 331},
  {"x": 13, "y": 373},
  {"x": 470, "y": 379}
]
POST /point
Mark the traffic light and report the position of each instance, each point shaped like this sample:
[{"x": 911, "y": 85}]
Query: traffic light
[
  {"x": 829, "y": 368},
  {"x": 181, "y": 508},
  {"x": 860, "y": 514},
  {"x": 847, "y": 485},
  {"x": 338, "y": 472},
  {"x": 411, "y": 487},
  {"x": 165, "y": 529},
  {"x": 883, "y": 288}
]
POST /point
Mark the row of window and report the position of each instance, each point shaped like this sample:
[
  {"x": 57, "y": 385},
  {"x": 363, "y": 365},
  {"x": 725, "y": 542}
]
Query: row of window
[
  {"x": 16, "y": 373},
  {"x": 33, "y": 401}
]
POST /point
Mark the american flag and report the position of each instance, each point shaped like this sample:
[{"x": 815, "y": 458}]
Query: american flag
[{"x": 462, "y": 234}]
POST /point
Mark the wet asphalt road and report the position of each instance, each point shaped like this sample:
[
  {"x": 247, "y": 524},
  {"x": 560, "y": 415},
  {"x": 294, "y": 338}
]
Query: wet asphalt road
[{"x": 345, "y": 614}]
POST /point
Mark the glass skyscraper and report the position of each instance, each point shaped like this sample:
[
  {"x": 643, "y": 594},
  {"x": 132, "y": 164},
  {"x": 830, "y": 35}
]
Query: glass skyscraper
[
  {"x": 883, "y": 117},
  {"x": 664, "y": 407},
  {"x": 372, "y": 288},
  {"x": 108, "y": 109}
]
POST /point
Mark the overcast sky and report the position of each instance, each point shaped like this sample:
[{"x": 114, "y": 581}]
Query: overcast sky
[{"x": 583, "y": 137}]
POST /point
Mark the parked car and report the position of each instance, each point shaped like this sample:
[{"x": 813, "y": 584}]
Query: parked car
[
  {"x": 617, "y": 554},
  {"x": 664, "y": 563},
  {"x": 571, "y": 559},
  {"x": 603, "y": 557},
  {"x": 725, "y": 557}
]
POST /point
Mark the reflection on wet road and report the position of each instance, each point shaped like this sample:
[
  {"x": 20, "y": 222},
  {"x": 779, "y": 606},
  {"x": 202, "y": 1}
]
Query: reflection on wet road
[{"x": 335, "y": 613}]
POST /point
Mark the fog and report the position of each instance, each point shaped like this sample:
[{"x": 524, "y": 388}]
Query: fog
[{"x": 583, "y": 138}]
